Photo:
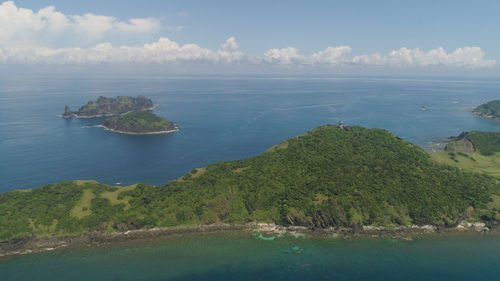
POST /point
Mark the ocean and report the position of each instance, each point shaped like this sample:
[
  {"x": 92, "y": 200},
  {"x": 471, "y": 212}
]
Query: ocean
[{"x": 220, "y": 119}]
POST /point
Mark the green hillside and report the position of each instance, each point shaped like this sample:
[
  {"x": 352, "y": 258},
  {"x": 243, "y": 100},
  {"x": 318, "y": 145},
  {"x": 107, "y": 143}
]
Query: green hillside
[
  {"x": 139, "y": 122},
  {"x": 112, "y": 106},
  {"x": 327, "y": 177},
  {"x": 490, "y": 109},
  {"x": 486, "y": 143}
]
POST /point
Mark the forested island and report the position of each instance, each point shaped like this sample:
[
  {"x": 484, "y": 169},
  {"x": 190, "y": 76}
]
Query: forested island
[
  {"x": 329, "y": 178},
  {"x": 488, "y": 110},
  {"x": 110, "y": 106},
  {"x": 140, "y": 123}
]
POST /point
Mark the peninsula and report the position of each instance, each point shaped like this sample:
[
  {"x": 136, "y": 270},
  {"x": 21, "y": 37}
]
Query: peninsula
[
  {"x": 473, "y": 151},
  {"x": 140, "y": 123},
  {"x": 489, "y": 110},
  {"x": 331, "y": 178},
  {"x": 110, "y": 106}
]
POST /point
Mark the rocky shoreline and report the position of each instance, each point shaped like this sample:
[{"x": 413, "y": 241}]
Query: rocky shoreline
[
  {"x": 487, "y": 116},
  {"x": 132, "y": 133},
  {"x": 37, "y": 244}
]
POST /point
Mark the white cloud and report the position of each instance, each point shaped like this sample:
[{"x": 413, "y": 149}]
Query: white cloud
[
  {"x": 331, "y": 56},
  {"x": 162, "y": 51},
  {"x": 466, "y": 57},
  {"x": 3, "y": 57},
  {"x": 285, "y": 56},
  {"x": 165, "y": 51},
  {"x": 228, "y": 51},
  {"x": 19, "y": 26},
  {"x": 470, "y": 57}
]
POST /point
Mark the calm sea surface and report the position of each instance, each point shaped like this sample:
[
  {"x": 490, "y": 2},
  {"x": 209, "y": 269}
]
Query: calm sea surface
[
  {"x": 242, "y": 256},
  {"x": 220, "y": 119},
  {"x": 227, "y": 119}
]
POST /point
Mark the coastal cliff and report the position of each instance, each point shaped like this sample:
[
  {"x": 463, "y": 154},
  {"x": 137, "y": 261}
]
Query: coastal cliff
[{"x": 110, "y": 106}]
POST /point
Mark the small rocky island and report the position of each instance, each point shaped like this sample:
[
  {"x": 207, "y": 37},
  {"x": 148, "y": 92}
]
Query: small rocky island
[
  {"x": 140, "y": 123},
  {"x": 110, "y": 106},
  {"x": 489, "y": 110}
]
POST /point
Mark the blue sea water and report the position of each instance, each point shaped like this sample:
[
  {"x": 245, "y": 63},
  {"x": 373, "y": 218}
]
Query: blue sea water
[{"x": 220, "y": 119}]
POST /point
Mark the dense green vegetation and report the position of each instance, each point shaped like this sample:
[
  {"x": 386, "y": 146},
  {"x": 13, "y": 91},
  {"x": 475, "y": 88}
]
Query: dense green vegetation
[
  {"x": 486, "y": 143},
  {"x": 327, "y": 177},
  {"x": 113, "y": 106},
  {"x": 139, "y": 122},
  {"x": 489, "y": 110}
]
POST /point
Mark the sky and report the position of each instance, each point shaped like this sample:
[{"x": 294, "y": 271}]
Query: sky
[{"x": 255, "y": 36}]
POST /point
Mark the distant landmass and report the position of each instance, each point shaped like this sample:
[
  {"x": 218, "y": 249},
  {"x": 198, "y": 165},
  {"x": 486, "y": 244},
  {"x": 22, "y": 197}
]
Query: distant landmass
[
  {"x": 333, "y": 177},
  {"x": 110, "y": 106},
  {"x": 488, "y": 110},
  {"x": 140, "y": 122}
]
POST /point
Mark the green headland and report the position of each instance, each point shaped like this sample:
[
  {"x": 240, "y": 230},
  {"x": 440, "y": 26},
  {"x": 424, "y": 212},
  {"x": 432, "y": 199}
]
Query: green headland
[
  {"x": 140, "y": 122},
  {"x": 328, "y": 177},
  {"x": 488, "y": 110}
]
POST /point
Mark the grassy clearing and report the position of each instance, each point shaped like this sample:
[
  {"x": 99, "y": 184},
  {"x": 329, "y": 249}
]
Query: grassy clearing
[
  {"x": 112, "y": 196},
  {"x": 40, "y": 228},
  {"x": 199, "y": 172},
  {"x": 473, "y": 162},
  {"x": 196, "y": 172},
  {"x": 319, "y": 199},
  {"x": 82, "y": 208},
  {"x": 239, "y": 170},
  {"x": 282, "y": 145},
  {"x": 495, "y": 203},
  {"x": 83, "y": 182}
]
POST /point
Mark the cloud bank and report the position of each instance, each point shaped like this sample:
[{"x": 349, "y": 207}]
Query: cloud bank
[
  {"x": 28, "y": 37},
  {"x": 462, "y": 57},
  {"x": 19, "y": 26}
]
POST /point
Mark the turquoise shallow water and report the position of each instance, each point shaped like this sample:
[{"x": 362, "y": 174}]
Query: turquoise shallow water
[{"x": 242, "y": 256}]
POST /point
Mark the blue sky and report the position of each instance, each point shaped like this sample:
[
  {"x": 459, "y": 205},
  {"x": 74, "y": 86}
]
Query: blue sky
[{"x": 365, "y": 27}]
